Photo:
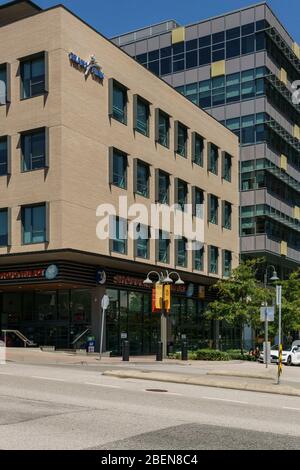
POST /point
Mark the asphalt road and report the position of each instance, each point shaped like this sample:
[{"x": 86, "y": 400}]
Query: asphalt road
[{"x": 53, "y": 407}]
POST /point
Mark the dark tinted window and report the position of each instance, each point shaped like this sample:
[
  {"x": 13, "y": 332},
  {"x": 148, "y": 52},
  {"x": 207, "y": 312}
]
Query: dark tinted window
[
  {"x": 165, "y": 66},
  {"x": 218, "y": 37},
  {"x": 154, "y": 67},
  {"x": 178, "y": 48},
  {"x": 191, "y": 59},
  {"x": 205, "y": 41},
  {"x": 248, "y": 44},
  {"x": 218, "y": 55},
  {"x": 233, "y": 48},
  {"x": 191, "y": 45},
  {"x": 260, "y": 41},
  {"x": 142, "y": 58},
  {"x": 153, "y": 55},
  {"x": 247, "y": 29},
  {"x": 205, "y": 56},
  {"x": 233, "y": 33},
  {"x": 178, "y": 65},
  {"x": 262, "y": 24},
  {"x": 166, "y": 51}
]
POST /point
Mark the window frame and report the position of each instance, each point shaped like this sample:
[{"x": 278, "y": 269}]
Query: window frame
[
  {"x": 32, "y": 207},
  {"x": 30, "y": 133},
  {"x": 30, "y": 59}
]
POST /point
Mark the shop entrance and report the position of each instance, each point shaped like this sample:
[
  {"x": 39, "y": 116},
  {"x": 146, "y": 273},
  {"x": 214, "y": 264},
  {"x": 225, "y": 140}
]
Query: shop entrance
[{"x": 130, "y": 316}]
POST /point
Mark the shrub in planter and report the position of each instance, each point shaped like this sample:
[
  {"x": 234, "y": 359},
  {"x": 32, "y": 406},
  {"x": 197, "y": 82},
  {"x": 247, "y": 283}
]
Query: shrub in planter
[{"x": 211, "y": 355}]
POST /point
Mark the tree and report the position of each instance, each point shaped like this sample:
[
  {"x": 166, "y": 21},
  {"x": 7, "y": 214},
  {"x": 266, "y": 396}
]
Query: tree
[
  {"x": 290, "y": 306},
  {"x": 239, "y": 298}
]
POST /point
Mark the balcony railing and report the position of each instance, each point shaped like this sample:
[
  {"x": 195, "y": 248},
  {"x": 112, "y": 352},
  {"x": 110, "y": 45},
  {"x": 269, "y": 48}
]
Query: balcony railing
[
  {"x": 277, "y": 39},
  {"x": 282, "y": 89}
]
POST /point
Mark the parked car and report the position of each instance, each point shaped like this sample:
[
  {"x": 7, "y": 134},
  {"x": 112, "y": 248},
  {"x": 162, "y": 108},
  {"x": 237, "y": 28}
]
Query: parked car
[{"x": 290, "y": 354}]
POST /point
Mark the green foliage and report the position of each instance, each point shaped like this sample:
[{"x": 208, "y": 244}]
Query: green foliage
[
  {"x": 239, "y": 298},
  {"x": 211, "y": 355}
]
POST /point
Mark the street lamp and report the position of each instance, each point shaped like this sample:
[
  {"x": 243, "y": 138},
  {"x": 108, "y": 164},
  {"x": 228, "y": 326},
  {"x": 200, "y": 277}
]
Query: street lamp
[
  {"x": 274, "y": 278},
  {"x": 164, "y": 278}
]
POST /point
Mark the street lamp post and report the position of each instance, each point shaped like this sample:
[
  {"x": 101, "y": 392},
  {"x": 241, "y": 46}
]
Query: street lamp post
[
  {"x": 273, "y": 278},
  {"x": 164, "y": 278}
]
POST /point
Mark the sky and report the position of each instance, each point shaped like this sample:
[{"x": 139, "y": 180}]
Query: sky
[{"x": 115, "y": 17}]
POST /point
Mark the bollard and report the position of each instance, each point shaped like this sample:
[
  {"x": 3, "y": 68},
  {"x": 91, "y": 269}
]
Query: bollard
[
  {"x": 125, "y": 351},
  {"x": 159, "y": 354},
  {"x": 184, "y": 351}
]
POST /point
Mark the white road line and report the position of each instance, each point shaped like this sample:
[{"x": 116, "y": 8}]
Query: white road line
[
  {"x": 289, "y": 408},
  {"x": 224, "y": 399},
  {"x": 48, "y": 378},
  {"x": 102, "y": 385},
  {"x": 163, "y": 393}
]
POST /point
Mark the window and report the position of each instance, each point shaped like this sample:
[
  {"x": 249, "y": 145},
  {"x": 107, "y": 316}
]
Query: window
[
  {"x": 233, "y": 48},
  {"x": 33, "y": 77},
  {"x": 142, "y": 241},
  {"x": 213, "y": 159},
  {"x": 163, "y": 129},
  {"x": 248, "y": 44},
  {"x": 227, "y": 215},
  {"x": 142, "y": 116},
  {"x": 3, "y": 156},
  {"x": 198, "y": 201},
  {"x": 181, "y": 144},
  {"x": 119, "y": 169},
  {"x": 233, "y": 88},
  {"x": 204, "y": 56},
  {"x": 142, "y": 179},
  {"x": 3, "y": 227},
  {"x": 205, "y": 94},
  {"x": 213, "y": 259},
  {"x": 199, "y": 258},
  {"x": 205, "y": 41},
  {"x": 233, "y": 33},
  {"x": 3, "y": 84},
  {"x": 119, "y": 235},
  {"x": 218, "y": 91},
  {"x": 163, "y": 196},
  {"x": 119, "y": 111},
  {"x": 198, "y": 146},
  {"x": 227, "y": 260},
  {"x": 227, "y": 166},
  {"x": 33, "y": 224},
  {"x": 191, "y": 59},
  {"x": 182, "y": 193},
  {"x": 247, "y": 29},
  {"x": 181, "y": 252},
  {"x": 163, "y": 247},
  {"x": 213, "y": 209},
  {"x": 248, "y": 129},
  {"x": 33, "y": 147}
]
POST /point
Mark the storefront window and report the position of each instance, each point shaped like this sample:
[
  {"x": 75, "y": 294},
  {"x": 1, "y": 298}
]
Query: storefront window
[
  {"x": 28, "y": 306},
  {"x": 63, "y": 305},
  {"x": 46, "y": 306},
  {"x": 11, "y": 308},
  {"x": 81, "y": 305}
]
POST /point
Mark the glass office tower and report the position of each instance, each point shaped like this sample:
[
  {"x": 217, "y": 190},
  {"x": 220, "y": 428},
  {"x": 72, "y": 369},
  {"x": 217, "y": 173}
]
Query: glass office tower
[{"x": 240, "y": 68}]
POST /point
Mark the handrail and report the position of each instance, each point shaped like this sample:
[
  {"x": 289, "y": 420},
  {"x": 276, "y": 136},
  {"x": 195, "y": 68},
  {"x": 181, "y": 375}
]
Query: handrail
[
  {"x": 26, "y": 341},
  {"x": 80, "y": 336}
]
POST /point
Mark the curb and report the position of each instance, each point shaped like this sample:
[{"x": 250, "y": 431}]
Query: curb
[
  {"x": 242, "y": 375},
  {"x": 204, "y": 381}
]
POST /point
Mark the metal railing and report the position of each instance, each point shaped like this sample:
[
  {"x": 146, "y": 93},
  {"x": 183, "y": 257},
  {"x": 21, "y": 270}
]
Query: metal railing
[
  {"x": 80, "y": 336},
  {"x": 26, "y": 341}
]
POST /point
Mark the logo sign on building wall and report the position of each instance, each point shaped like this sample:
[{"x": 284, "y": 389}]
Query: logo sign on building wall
[
  {"x": 91, "y": 67},
  {"x": 50, "y": 273}
]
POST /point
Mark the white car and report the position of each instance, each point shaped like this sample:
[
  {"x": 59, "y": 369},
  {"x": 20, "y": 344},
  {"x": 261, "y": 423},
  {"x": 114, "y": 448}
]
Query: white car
[{"x": 290, "y": 355}]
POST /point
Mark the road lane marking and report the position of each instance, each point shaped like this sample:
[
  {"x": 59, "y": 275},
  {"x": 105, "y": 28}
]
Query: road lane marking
[
  {"x": 289, "y": 408},
  {"x": 102, "y": 385},
  {"x": 162, "y": 393},
  {"x": 226, "y": 400}
]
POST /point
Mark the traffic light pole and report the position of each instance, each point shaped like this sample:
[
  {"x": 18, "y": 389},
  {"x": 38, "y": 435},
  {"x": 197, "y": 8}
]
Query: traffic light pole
[
  {"x": 163, "y": 324},
  {"x": 279, "y": 301}
]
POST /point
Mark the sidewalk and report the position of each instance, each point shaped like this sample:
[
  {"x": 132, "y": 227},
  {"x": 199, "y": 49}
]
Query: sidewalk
[{"x": 240, "y": 375}]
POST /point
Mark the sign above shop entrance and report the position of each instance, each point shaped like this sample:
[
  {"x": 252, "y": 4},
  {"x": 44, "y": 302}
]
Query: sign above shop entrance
[{"x": 49, "y": 273}]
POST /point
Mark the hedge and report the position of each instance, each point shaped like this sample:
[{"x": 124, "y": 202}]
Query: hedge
[{"x": 214, "y": 355}]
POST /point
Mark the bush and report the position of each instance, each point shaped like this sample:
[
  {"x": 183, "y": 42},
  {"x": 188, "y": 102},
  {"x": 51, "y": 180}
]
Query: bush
[
  {"x": 214, "y": 355},
  {"x": 211, "y": 355}
]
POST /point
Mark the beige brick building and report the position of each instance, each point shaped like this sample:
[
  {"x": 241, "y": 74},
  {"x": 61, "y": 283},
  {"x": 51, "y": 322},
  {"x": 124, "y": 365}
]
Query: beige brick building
[{"x": 73, "y": 136}]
